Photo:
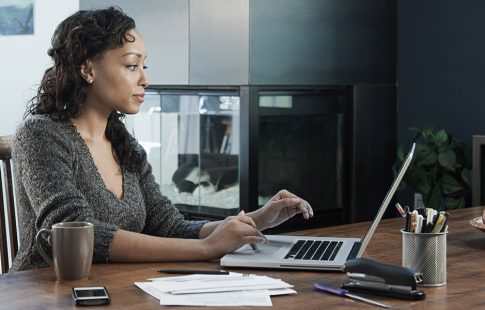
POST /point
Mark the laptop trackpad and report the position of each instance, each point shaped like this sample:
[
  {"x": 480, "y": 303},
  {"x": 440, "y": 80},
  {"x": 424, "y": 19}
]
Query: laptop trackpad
[{"x": 270, "y": 248}]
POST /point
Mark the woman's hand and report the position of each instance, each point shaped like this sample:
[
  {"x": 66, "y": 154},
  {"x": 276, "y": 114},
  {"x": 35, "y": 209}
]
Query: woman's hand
[
  {"x": 283, "y": 206},
  {"x": 232, "y": 233}
]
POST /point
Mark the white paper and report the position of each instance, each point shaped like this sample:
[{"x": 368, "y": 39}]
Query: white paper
[
  {"x": 150, "y": 289},
  {"x": 192, "y": 277},
  {"x": 147, "y": 287},
  {"x": 283, "y": 291},
  {"x": 234, "y": 289},
  {"x": 239, "y": 298},
  {"x": 219, "y": 283}
]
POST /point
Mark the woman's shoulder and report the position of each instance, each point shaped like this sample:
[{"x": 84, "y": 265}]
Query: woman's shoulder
[
  {"x": 40, "y": 122},
  {"x": 42, "y": 128}
]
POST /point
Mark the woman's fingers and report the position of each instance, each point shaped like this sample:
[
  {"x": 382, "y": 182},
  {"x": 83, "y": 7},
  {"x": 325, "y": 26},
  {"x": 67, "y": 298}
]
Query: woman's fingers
[
  {"x": 254, "y": 231},
  {"x": 291, "y": 200},
  {"x": 295, "y": 205},
  {"x": 306, "y": 209},
  {"x": 246, "y": 219},
  {"x": 253, "y": 240}
]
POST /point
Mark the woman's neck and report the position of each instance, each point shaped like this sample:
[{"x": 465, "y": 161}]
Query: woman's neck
[{"x": 91, "y": 125}]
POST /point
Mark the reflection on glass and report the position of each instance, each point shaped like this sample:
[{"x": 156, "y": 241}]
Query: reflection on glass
[
  {"x": 301, "y": 146},
  {"x": 192, "y": 142}
]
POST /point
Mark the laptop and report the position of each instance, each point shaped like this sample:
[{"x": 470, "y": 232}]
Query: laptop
[{"x": 312, "y": 253}]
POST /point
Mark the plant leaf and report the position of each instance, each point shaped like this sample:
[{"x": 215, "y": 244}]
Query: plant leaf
[
  {"x": 440, "y": 170},
  {"x": 441, "y": 137},
  {"x": 425, "y": 155},
  {"x": 423, "y": 185},
  {"x": 466, "y": 176},
  {"x": 449, "y": 184},
  {"x": 447, "y": 159},
  {"x": 428, "y": 133},
  {"x": 432, "y": 200}
]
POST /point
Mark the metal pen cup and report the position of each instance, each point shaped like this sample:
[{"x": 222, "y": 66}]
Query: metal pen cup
[{"x": 426, "y": 253}]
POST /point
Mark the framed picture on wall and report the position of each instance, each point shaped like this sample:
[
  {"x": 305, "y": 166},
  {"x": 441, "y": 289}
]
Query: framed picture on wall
[{"x": 16, "y": 17}]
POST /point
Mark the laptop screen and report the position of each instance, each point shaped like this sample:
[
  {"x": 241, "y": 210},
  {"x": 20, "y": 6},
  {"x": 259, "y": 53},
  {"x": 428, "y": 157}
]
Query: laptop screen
[{"x": 386, "y": 201}]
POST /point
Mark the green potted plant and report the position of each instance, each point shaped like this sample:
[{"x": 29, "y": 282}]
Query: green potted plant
[{"x": 440, "y": 171}]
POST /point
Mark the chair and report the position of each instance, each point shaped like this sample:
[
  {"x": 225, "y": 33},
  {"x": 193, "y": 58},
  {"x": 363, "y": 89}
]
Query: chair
[{"x": 8, "y": 222}]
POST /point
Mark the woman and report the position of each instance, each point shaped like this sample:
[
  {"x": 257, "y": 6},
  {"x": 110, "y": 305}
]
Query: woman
[{"x": 75, "y": 160}]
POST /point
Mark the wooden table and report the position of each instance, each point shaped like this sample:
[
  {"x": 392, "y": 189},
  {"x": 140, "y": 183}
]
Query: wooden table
[{"x": 38, "y": 289}]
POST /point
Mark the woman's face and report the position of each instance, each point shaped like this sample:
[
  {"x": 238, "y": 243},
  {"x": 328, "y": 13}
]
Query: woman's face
[{"x": 118, "y": 78}]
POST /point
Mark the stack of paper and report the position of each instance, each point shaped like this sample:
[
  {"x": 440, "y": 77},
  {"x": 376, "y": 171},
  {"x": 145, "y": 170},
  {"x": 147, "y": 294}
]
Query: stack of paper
[{"x": 234, "y": 289}]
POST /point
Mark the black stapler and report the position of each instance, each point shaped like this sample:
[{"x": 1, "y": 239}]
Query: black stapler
[{"x": 372, "y": 277}]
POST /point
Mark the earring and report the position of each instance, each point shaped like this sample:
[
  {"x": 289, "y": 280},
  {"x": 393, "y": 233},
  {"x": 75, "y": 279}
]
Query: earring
[{"x": 90, "y": 81}]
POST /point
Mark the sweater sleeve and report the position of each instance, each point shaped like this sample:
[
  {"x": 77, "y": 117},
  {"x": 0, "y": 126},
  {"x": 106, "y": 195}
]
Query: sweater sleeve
[
  {"x": 163, "y": 218},
  {"x": 45, "y": 161}
]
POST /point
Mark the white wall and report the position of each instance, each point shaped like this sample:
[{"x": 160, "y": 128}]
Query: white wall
[{"x": 24, "y": 60}]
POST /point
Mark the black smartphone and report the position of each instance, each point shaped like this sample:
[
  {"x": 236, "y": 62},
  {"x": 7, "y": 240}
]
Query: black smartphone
[{"x": 90, "y": 296}]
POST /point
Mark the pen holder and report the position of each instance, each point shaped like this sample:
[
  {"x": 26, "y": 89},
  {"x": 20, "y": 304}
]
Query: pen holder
[{"x": 425, "y": 253}]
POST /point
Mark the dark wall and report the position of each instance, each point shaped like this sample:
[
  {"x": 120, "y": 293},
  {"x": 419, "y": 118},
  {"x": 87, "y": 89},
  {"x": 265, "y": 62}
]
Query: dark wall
[
  {"x": 441, "y": 67},
  {"x": 322, "y": 42}
]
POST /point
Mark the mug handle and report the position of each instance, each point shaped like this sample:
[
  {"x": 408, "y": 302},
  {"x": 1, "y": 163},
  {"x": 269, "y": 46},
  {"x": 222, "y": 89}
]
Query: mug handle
[{"x": 37, "y": 243}]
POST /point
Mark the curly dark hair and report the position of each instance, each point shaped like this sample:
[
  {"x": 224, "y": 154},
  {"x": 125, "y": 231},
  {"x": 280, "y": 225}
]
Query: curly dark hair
[{"x": 82, "y": 36}]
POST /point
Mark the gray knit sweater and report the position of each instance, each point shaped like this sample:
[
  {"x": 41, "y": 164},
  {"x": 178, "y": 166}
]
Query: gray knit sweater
[{"x": 57, "y": 181}]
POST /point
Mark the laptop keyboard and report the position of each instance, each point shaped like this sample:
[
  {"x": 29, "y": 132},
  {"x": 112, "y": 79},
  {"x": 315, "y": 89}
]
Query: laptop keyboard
[{"x": 314, "y": 250}]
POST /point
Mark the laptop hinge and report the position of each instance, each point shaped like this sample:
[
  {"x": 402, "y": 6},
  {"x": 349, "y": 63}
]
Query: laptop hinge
[{"x": 355, "y": 250}]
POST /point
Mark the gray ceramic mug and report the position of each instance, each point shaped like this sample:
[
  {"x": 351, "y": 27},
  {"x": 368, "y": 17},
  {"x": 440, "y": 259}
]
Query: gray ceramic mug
[{"x": 72, "y": 249}]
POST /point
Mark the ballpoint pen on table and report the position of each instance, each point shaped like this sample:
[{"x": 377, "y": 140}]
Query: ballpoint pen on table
[
  {"x": 193, "y": 271},
  {"x": 343, "y": 292}
]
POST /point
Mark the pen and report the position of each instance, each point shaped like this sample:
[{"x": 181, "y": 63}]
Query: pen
[
  {"x": 439, "y": 223},
  {"x": 407, "y": 221},
  {"x": 445, "y": 214},
  {"x": 193, "y": 271},
  {"x": 343, "y": 292},
  {"x": 414, "y": 221},
  {"x": 400, "y": 210},
  {"x": 419, "y": 223}
]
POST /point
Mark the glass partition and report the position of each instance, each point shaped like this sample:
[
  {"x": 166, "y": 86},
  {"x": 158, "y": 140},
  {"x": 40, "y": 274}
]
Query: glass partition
[
  {"x": 192, "y": 142},
  {"x": 295, "y": 137}
]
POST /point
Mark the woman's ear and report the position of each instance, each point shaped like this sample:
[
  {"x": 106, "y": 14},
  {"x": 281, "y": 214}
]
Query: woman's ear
[{"x": 87, "y": 71}]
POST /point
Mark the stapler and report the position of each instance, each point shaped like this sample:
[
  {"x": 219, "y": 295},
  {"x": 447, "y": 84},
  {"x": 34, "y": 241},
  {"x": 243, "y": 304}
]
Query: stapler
[{"x": 372, "y": 277}]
